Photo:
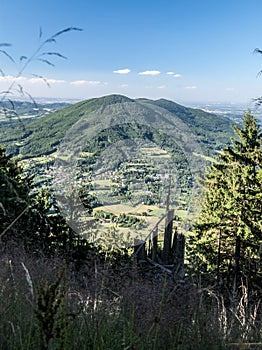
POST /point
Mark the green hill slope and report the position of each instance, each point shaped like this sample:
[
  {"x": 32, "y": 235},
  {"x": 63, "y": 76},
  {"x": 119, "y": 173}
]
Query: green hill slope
[
  {"x": 211, "y": 130},
  {"x": 43, "y": 135}
]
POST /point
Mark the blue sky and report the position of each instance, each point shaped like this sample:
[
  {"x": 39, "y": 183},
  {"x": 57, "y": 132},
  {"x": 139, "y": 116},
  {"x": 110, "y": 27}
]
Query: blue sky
[{"x": 187, "y": 51}]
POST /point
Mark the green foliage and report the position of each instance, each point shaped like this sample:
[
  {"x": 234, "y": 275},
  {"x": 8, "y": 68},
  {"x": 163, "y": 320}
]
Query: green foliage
[
  {"x": 130, "y": 173},
  {"x": 14, "y": 193},
  {"x": 228, "y": 231},
  {"x": 30, "y": 218},
  {"x": 122, "y": 220},
  {"x": 51, "y": 312}
]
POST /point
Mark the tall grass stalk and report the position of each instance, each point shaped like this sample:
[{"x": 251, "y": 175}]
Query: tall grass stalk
[{"x": 130, "y": 313}]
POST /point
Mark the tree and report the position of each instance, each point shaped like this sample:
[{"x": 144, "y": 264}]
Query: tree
[
  {"x": 229, "y": 226},
  {"x": 14, "y": 192},
  {"x": 23, "y": 208}
]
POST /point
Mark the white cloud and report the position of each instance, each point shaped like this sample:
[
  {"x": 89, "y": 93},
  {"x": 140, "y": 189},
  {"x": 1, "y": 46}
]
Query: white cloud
[
  {"x": 36, "y": 80},
  {"x": 162, "y": 87},
  {"x": 45, "y": 80},
  {"x": 78, "y": 82},
  {"x": 150, "y": 72},
  {"x": 124, "y": 85},
  {"x": 11, "y": 79},
  {"x": 122, "y": 71},
  {"x": 190, "y": 87},
  {"x": 230, "y": 89},
  {"x": 87, "y": 82},
  {"x": 175, "y": 75}
]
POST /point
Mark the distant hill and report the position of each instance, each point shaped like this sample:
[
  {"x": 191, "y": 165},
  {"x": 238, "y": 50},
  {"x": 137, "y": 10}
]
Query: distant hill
[
  {"x": 130, "y": 150},
  {"x": 25, "y": 109},
  {"x": 43, "y": 135}
]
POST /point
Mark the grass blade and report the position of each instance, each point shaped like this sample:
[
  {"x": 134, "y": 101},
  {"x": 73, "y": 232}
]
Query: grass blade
[
  {"x": 65, "y": 31},
  {"x": 5, "y": 45},
  {"x": 54, "y": 54},
  {"x": 46, "y": 61},
  {"x": 7, "y": 55}
]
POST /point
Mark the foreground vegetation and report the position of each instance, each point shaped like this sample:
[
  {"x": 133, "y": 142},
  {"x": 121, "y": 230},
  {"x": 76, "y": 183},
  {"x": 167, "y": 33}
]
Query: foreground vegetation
[{"x": 45, "y": 305}]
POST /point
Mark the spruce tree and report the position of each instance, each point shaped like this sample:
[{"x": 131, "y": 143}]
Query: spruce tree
[
  {"x": 229, "y": 227},
  {"x": 23, "y": 207}
]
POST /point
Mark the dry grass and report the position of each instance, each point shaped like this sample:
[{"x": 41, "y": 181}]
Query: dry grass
[{"x": 105, "y": 306}]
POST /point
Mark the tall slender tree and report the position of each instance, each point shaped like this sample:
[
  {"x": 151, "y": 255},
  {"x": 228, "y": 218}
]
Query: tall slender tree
[{"x": 229, "y": 227}]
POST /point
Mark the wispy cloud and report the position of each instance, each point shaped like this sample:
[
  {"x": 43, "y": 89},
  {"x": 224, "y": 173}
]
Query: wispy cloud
[
  {"x": 78, "y": 82},
  {"x": 230, "y": 89},
  {"x": 124, "y": 85},
  {"x": 45, "y": 80},
  {"x": 175, "y": 75},
  {"x": 162, "y": 87},
  {"x": 10, "y": 79},
  {"x": 122, "y": 71},
  {"x": 191, "y": 87},
  {"x": 150, "y": 72},
  {"x": 87, "y": 82},
  {"x": 35, "y": 80}
]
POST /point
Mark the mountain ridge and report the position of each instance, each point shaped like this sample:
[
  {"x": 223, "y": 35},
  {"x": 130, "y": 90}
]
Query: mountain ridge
[{"x": 43, "y": 135}]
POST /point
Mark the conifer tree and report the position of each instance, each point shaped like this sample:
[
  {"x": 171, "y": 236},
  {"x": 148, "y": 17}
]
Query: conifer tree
[
  {"x": 14, "y": 190},
  {"x": 24, "y": 217},
  {"x": 229, "y": 228}
]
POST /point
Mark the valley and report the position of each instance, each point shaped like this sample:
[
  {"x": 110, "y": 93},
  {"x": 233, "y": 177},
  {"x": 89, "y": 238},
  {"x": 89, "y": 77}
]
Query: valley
[{"x": 110, "y": 162}]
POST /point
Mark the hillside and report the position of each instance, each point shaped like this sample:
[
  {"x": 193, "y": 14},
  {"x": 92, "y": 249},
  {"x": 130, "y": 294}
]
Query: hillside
[
  {"x": 211, "y": 130},
  {"x": 119, "y": 157},
  {"x": 43, "y": 135}
]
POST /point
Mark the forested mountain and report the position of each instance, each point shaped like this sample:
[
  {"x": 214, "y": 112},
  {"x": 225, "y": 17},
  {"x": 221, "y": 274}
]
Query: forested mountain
[{"x": 42, "y": 136}]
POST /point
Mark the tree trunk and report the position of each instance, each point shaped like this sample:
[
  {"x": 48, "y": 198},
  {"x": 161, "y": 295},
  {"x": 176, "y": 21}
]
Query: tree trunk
[
  {"x": 237, "y": 261},
  {"x": 218, "y": 255}
]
